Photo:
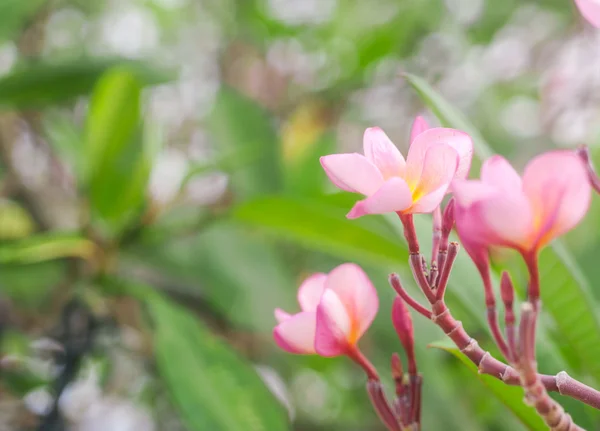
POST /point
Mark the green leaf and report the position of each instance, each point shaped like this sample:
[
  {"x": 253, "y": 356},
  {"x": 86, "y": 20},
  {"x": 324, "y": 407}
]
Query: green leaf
[
  {"x": 510, "y": 396},
  {"x": 239, "y": 124},
  {"x": 304, "y": 174},
  {"x": 118, "y": 158},
  {"x": 45, "y": 247},
  {"x": 14, "y": 15},
  {"x": 448, "y": 115},
  {"x": 228, "y": 163},
  {"x": 566, "y": 294},
  {"x": 42, "y": 83},
  {"x": 239, "y": 274},
  {"x": 19, "y": 378},
  {"x": 15, "y": 221},
  {"x": 213, "y": 388},
  {"x": 66, "y": 139},
  {"x": 323, "y": 227}
]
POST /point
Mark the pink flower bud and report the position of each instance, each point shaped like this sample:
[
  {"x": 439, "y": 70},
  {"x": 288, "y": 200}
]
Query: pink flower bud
[
  {"x": 392, "y": 184},
  {"x": 337, "y": 309},
  {"x": 507, "y": 291},
  {"x": 504, "y": 210},
  {"x": 404, "y": 328}
]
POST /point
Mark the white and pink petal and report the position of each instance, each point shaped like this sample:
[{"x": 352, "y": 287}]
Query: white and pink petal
[
  {"x": 459, "y": 141},
  {"x": 310, "y": 291},
  {"x": 418, "y": 127},
  {"x": 357, "y": 294},
  {"x": 281, "y": 316},
  {"x": 297, "y": 334},
  {"x": 496, "y": 171},
  {"x": 394, "y": 195},
  {"x": 559, "y": 192},
  {"x": 333, "y": 327},
  {"x": 352, "y": 172},
  {"x": 440, "y": 163},
  {"x": 382, "y": 152}
]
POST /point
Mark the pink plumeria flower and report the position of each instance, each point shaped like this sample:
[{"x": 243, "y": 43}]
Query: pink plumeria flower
[
  {"x": 392, "y": 184},
  {"x": 503, "y": 209},
  {"x": 337, "y": 308},
  {"x": 590, "y": 9}
]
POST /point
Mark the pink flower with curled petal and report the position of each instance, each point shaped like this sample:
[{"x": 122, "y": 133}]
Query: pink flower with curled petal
[
  {"x": 392, "y": 184},
  {"x": 503, "y": 209},
  {"x": 337, "y": 309},
  {"x": 590, "y": 9}
]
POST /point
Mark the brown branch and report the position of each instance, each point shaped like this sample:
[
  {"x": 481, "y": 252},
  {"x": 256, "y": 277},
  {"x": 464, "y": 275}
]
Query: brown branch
[
  {"x": 536, "y": 394},
  {"x": 487, "y": 364}
]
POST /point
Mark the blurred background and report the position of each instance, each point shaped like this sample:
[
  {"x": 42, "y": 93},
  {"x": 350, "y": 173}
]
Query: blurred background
[{"x": 160, "y": 195}]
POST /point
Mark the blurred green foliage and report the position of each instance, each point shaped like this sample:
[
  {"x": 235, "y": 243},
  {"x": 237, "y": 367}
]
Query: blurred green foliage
[{"x": 159, "y": 163}]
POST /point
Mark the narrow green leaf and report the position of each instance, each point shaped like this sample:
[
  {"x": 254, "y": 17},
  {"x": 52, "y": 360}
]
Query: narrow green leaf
[
  {"x": 213, "y": 388},
  {"x": 510, "y": 396},
  {"x": 566, "y": 294},
  {"x": 323, "y": 227},
  {"x": 45, "y": 247},
  {"x": 448, "y": 115},
  {"x": 239, "y": 124},
  {"x": 118, "y": 158},
  {"x": 113, "y": 118},
  {"x": 41, "y": 83}
]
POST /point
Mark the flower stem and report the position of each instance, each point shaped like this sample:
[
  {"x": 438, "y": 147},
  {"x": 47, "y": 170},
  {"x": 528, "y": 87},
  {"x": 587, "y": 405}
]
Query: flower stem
[
  {"x": 549, "y": 410},
  {"x": 584, "y": 153},
  {"x": 409, "y": 232},
  {"x": 436, "y": 235},
  {"x": 533, "y": 290},
  {"x": 357, "y": 356},
  {"x": 487, "y": 364},
  {"x": 396, "y": 284},
  {"x": 451, "y": 254}
]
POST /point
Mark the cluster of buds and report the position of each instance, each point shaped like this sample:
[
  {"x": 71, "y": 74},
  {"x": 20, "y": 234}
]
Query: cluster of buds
[{"x": 501, "y": 209}]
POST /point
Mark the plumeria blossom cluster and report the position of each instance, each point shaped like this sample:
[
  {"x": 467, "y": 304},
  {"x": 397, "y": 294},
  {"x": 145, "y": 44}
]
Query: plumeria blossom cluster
[{"x": 501, "y": 209}]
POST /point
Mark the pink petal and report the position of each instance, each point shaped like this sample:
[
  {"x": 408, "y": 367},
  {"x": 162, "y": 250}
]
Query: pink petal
[
  {"x": 281, "y": 316},
  {"x": 486, "y": 215},
  {"x": 352, "y": 172},
  {"x": 559, "y": 192},
  {"x": 439, "y": 167},
  {"x": 418, "y": 127},
  {"x": 460, "y": 141},
  {"x": 357, "y": 294},
  {"x": 297, "y": 334},
  {"x": 310, "y": 291},
  {"x": 590, "y": 9},
  {"x": 334, "y": 327},
  {"x": 393, "y": 195},
  {"x": 382, "y": 152},
  {"x": 471, "y": 236},
  {"x": 468, "y": 192},
  {"x": 498, "y": 172},
  {"x": 507, "y": 218},
  {"x": 429, "y": 202}
]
